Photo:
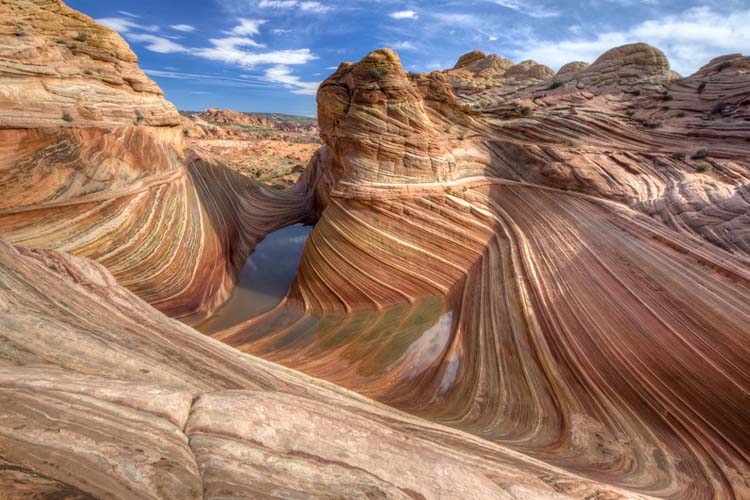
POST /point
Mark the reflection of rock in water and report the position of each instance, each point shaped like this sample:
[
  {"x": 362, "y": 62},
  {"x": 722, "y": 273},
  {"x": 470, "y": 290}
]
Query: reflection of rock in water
[
  {"x": 371, "y": 351},
  {"x": 264, "y": 279}
]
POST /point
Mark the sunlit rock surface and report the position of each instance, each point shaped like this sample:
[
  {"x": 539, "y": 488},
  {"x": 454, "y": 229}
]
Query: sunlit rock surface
[
  {"x": 592, "y": 244},
  {"x": 92, "y": 162},
  {"x": 547, "y": 273}
]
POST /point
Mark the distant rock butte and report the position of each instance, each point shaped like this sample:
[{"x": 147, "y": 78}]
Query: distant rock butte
[{"x": 588, "y": 231}]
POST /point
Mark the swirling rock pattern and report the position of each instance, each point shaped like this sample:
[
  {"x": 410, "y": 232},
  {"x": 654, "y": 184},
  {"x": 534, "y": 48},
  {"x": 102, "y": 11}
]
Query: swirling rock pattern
[
  {"x": 92, "y": 161},
  {"x": 103, "y": 396},
  {"x": 596, "y": 270}
]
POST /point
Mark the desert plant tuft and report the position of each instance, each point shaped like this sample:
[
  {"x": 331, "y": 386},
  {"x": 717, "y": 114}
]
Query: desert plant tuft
[
  {"x": 701, "y": 87},
  {"x": 679, "y": 155},
  {"x": 66, "y": 116},
  {"x": 138, "y": 117},
  {"x": 526, "y": 110},
  {"x": 379, "y": 73},
  {"x": 630, "y": 112},
  {"x": 449, "y": 190},
  {"x": 703, "y": 167},
  {"x": 681, "y": 114},
  {"x": 651, "y": 123},
  {"x": 701, "y": 153},
  {"x": 81, "y": 37}
]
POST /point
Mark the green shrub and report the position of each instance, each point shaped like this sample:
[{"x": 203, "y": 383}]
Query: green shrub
[
  {"x": 379, "y": 73},
  {"x": 703, "y": 167},
  {"x": 81, "y": 37},
  {"x": 465, "y": 189},
  {"x": 651, "y": 123},
  {"x": 679, "y": 155},
  {"x": 66, "y": 116},
  {"x": 449, "y": 190},
  {"x": 526, "y": 110},
  {"x": 724, "y": 65},
  {"x": 701, "y": 153}
]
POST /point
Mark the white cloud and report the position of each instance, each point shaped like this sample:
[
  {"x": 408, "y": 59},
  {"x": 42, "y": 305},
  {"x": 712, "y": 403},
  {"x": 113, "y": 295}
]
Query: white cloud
[
  {"x": 289, "y": 4},
  {"x": 129, "y": 14},
  {"x": 404, "y": 14},
  {"x": 183, "y": 27},
  {"x": 689, "y": 39},
  {"x": 156, "y": 43},
  {"x": 249, "y": 27},
  {"x": 282, "y": 74},
  {"x": 122, "y": 25},
  {"x": 405, "y": 45},
  {"x": 528, "y": 9}
]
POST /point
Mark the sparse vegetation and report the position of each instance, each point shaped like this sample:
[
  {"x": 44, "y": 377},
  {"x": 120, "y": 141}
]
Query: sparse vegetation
[
  {"x": 462, "y": 136},
  {"x": 651, "y": 123},
  {"x": 701, "y": 153},
  {"x": 449, "y": 190},
  {"x": 701, "y": 87},
  {"x": 60, "y": 41},
  {"x": 72, "y": 46},
  {"x": 679, "y": 155},
  {"x": 703, "y": 167},
  {"x": 138, "y": 117},
  {"x": 526, "y": 110},
  {"x": 81, "y": 37},
  {"x": 88, "y": 72},
  {"x": 379, "y": 73},
  {"x": 66, "y": 116},
  {"x": 555, "y": 85},
  {"x": 681, "y": 114},
  {"x": 465, "y": 189},
  {"x": 667, "y": 97},
  {"x": 630, "y": 112}
]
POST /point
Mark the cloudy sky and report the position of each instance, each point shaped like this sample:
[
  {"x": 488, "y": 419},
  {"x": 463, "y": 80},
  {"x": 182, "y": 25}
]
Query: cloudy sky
[{"x": 270, "y": 55}]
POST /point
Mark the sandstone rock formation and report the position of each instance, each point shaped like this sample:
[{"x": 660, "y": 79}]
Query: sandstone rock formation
[
  {"x": 92, "y": 161},
  {"x": 596, "y": 271},
  {"x": 111, "y": 399},
  {"x": 552, "y": 286}
]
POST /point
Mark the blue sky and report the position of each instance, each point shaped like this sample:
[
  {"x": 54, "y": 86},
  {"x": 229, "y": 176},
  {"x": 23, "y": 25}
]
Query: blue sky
[{"x": 270, "y": 55}]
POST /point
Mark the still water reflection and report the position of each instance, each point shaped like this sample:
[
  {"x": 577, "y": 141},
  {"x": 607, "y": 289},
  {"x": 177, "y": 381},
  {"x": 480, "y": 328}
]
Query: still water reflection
[{"x": 264, "y": 279}]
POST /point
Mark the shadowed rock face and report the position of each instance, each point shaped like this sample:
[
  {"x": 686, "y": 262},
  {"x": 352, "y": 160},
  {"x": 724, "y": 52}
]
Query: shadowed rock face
[{"x": 559, "y": 275}]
